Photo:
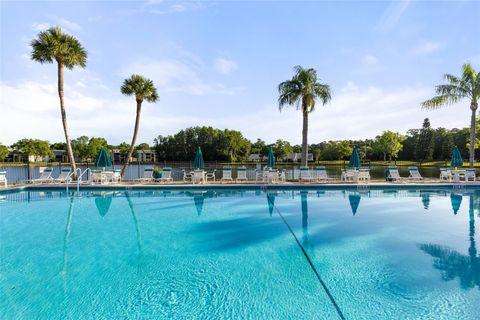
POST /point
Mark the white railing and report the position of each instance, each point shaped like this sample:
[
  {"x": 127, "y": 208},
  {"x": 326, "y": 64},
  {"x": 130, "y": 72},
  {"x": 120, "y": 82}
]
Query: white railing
[
  {"x": 77, "y": 172},
  {"x": 79, "y": 179}
]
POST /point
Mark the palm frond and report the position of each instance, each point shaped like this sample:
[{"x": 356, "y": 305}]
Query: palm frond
[{"x": 439, "y": 101}]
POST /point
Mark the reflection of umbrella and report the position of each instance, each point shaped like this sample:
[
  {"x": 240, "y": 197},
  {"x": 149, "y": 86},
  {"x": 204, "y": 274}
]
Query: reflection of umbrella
[
  {"x": 103, "y": 204},
  {"x": 456, "y": 200},
  {"x": 303, "y": 198},
  {"x": 425, "y": 199},
  {"x": 453, "y": 264},
  {"x": 271, "y": 158},
  {"x": 354, "y": 159},
  {"x": 456, "y": 158},
  {"x": 271, "y": 201},
  {"x": 198, "y": 198},
  {"x": 354, "y": 202},
  {"x": 103, "y": 159},
  {"x": 198, "y": 162}
]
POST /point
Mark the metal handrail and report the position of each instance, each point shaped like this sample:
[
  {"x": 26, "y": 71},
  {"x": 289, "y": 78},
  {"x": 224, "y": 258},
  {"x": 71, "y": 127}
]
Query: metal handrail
[
  {"x": 79, "y": 179},
  {"x": 71, "y": 175}
]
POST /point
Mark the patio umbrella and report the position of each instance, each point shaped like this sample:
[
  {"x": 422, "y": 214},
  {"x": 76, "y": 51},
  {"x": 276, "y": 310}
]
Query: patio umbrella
[
  {"x": 354, "y": 200},
  {"x": 456, "y": 200},
  {"x": 354, "y": 159},
  {"x": 198, "y": 162},
  {"x": 271, "y": 158},
  {"x": 103, "y": 203},
  {"x": 456, "y": 158},
  {"x": 103, "y": 159}
]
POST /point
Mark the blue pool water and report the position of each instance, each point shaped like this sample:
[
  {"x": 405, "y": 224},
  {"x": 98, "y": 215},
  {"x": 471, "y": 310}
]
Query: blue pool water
[{"x": 240, "y": 254}]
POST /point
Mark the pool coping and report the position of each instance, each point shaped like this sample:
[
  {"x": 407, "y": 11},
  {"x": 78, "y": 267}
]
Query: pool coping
[{"x": 243, "y": 186}]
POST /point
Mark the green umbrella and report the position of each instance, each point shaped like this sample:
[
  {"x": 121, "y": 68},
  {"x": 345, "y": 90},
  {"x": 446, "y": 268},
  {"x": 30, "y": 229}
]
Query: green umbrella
[
  {"x": 354, "y": 159},
  {"x": 198, "y": 162},
  {"x": 456, "y": 158},
  {"x": 271, "y": 158},
  {"x": 354, "y": 200},
  {"x": 103, "y": 159},
  {"x": 456, "y": 200}
]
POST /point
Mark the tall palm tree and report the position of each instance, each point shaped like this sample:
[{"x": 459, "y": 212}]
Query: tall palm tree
[
  {"x": 302, "y": 91},
  {"x": 143, "y": 89},
  {"x": 456, "y": 89},
  {"x": 68, "y": 52}
]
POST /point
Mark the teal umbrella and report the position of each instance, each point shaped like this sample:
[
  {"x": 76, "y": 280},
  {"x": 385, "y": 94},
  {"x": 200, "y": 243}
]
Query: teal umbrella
[
  {"x": 198, "y": 162},
  {"x": 354, "y": 159},
  {"x": 271, "y": 158},
  {"x": 103, "y": 159},
  {"x": 456, "y": 200},
  {"x": 354, "y": 200},
  {"x": 456, "y": 158}
]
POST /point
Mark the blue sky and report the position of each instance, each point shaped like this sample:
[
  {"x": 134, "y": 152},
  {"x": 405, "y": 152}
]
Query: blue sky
[{"x": 219, "y": 64}]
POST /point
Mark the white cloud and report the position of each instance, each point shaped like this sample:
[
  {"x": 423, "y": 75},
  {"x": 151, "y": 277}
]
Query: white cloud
[
  {"x": 66, "y": 24},
  {"x": 31, "y": 109},
  {"x": 224, "y": 66},
  {"x": 427, "y": 47},
  {"x": 392, "y": 15},
  {"x": 370, "y": 59},
  {"x": 41, "y": 26}
]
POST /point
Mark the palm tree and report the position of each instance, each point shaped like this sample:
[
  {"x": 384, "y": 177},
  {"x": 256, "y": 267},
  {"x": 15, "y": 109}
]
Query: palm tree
[
  {"x": 302, "y": 91},
  {"x": 143, "y": 89},
  {"x": 68, "y": 52},
  {"x": 455, "y": 90}
]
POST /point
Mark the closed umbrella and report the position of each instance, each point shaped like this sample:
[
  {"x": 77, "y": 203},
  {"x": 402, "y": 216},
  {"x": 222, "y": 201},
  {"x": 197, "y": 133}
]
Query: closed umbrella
[
  {"x": 271, "y": 158},
  {"x": 103, "y": 159},
  {"x": 456, "y": 158},
  {"x": 198, "y": 162},
  {"x": 354, "y": 159}
]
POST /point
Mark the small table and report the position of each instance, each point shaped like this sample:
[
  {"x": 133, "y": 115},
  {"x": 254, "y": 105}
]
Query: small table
[
  {"x": 456, "y": 174},
  {"x": 196, "y": 178}
]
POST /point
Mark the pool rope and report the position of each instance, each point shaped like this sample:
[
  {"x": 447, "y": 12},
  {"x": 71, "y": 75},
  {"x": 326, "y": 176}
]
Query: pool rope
[{"x": 312, "y": 266}]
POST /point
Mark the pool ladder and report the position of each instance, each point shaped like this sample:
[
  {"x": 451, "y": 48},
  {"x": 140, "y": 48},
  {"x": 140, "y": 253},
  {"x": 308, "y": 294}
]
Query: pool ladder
[{"x": 79, "y": 174}]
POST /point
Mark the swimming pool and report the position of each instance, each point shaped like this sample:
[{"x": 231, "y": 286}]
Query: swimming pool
[{"x": 243, "y": 253}]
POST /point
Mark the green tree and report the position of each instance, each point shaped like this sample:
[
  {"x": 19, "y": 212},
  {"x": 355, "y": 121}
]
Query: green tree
[
  {"x": 67, "y": 52},
  {"x": 33, "y": 147},
  {"x": 80, "y": 148},
  {"x": 456, "y": 89},
  {"x": 281, "y": 149},
  {"x": 389, "y": 143},
  {"x": 123, "y": 147},
  {"x": 259, "y": 147},
  {"x": 3, "y": 152},
  {"x": 94, "y": 146},
  {"x": 59, "y": 146},
  {"x": 302, "y": 91},
  {"x": 425, "y": 143},
  {"x": 143, "y": 89}
]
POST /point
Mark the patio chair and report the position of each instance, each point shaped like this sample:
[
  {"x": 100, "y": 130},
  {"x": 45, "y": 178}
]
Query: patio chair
[
  {"x": 166, "y": 175},
  {"x": 97, "y": 176},
  {"x": 64, "y": 176},
  {"x": 393, "y": 174},
  {"x": 227, "y": 174},
  {"x": 147, "y": 175},
  {"x": 363, "y": 175},
  {"x": 321, "y": 174},
  {"x": 414, "y": 173},
  {"x": 45, "y": 176},
  {"x": 261, "y": 174},
  {"x": 210, "y": 175},
  {"x": 348, "y": 175},
  {"x": 3, "y": 178},
  {"x": 470, "y": 175},
  {"x": 445, "y": 174},
  {"x": 281, "y": 176},
  {"x": 117, "y": 177},
  {"x": 187, "y": 176},
  {"x": 242, "y": 174},
  {"x": 305, "y": 174}
]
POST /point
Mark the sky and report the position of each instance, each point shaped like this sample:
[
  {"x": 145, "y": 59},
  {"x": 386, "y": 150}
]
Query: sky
[{"x": 219, "y": 63}]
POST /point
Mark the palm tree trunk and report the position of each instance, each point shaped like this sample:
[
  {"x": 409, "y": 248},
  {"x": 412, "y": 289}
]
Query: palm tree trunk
[
  {"x": 304, "y": 139},
  {"x": 473, "y": 107},
  {"x": 64, "y": 117},
  {"x": 134, "y": 140}
]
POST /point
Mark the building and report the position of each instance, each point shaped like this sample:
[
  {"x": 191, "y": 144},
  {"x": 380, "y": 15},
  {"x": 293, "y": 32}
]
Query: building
[
  {"x": 257, "y": 157},
  {"x": 297, "y": 157},
  {"x": 60, "y": 156},
  {"x": 146, "y": 156},
  {"x": 116, "y": 156}
]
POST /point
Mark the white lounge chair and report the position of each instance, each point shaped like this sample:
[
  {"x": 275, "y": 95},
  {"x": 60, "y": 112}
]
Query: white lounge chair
[
  {"x": 147, "y": 175},
  {"x": 363, "y": 175},
  {"x": 445, "y": 174},
  {"x": 321, "y": 174},
  {"x": 210, "y": 175},
  {"x": 64, "y": 176},
  {"x": 242, "y": 174},
  {"x": 198, "y": 176},
  {"x": 470, "y": 175},
  {"x": 166, "y": 175},
  {"x": 305, "y": 174},
  {"x": 3, "y": 178},
  {"x": 45, "y": 176},
  {"x": 227, "y": 174},
  {"x": 414, "y": 173},
  {"x": 393, "y": 174},
  {"x": 187, "y": 176}
]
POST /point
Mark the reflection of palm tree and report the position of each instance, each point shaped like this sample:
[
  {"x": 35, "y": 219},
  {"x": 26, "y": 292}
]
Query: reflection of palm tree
[
  {"x": 303, "y": 197},
  {"x": 65, "y": 240},
  {"x": 454, "y": 264},
  {"x": 135, "y": 221}
]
